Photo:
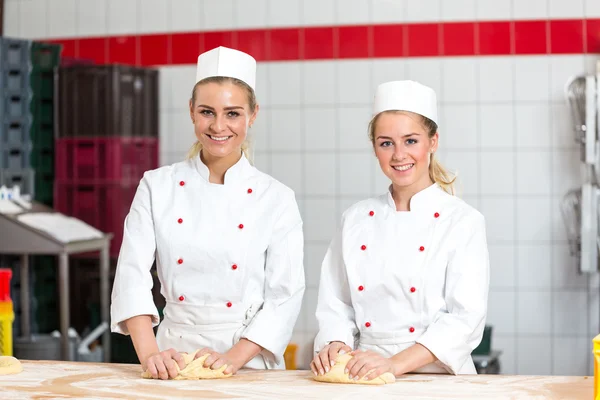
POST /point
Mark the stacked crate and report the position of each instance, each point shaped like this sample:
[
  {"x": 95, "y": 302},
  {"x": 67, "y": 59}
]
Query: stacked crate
[
  {"x": 15, "y": 116},
  {"x": 107, "y": 138}
]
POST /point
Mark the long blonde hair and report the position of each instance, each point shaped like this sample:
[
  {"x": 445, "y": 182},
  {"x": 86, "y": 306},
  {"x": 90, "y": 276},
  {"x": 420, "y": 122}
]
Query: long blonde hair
[
  {"x": 246, "y": 146},
  {"x": 437, "y": 172}
]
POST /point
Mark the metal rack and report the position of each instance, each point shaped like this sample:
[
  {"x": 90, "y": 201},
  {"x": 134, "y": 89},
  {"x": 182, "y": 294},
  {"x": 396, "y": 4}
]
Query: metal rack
[{"x": 19, "y": 238}]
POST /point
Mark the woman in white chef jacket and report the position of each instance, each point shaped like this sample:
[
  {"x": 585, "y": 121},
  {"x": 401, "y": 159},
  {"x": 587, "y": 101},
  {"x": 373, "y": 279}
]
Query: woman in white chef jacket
[
  {"x": 404, "y": 283},
  {"x": 226, "y": 237}
]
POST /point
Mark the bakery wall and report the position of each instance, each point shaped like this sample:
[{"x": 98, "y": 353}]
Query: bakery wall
[{"x": 499, "y": 68}]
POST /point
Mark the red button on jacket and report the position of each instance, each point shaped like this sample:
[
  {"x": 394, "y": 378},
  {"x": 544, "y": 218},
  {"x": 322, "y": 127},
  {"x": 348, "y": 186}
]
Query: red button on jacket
[
  {"x": 411, "y": 329},
  {"x": 229, "y": 304},
  {"x": 181, "y": 298},
  {"x": 181, "y": 183},
  {"x": 368, "y": 324},
  {"x": 180, "y": 261}
]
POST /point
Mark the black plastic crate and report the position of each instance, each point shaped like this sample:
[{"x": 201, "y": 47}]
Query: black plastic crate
[
  {"x": 14, "y": 53},
  {"x": 24, "y": 178},
  {"x": 42, "y": 135},
  {"x": 45, "y": 55},
  {"x": 42, "y": 83},
  {"x": 42, "y": 111},
  {"x": 108, "y": 100},
  {"x": 15, "y": 133},
  {"x": 44, "y": 188}
]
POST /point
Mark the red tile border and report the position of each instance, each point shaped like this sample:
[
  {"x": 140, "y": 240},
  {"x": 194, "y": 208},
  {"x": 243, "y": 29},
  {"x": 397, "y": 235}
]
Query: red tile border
[{"x": 566, "y": 36}]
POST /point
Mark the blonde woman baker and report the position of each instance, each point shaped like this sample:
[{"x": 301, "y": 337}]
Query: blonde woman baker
[
  {"x": 404, "y": 283},
  {"x": 226, "y": 237}
]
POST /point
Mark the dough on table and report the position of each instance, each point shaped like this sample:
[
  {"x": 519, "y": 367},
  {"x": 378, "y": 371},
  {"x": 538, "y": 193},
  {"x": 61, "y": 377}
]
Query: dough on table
[
  {"x": 10, "y": 365},
  {"x": 195, "y": 369},
  {"x": 336, "y": 374}
]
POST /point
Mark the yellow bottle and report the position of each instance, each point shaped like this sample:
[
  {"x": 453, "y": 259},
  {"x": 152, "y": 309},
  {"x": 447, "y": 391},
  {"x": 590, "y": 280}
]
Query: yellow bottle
[
  {"x": 597, "y": 367},
  {"x": 290, "y": 356},
  {"x": 7, "y": 315}
]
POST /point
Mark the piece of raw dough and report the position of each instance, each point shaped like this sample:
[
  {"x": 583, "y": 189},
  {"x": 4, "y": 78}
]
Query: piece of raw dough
[
  {"x": 10, "y": 365},
  {"x": 195, "y": 369},
  {"x": 336, "y": 374}
]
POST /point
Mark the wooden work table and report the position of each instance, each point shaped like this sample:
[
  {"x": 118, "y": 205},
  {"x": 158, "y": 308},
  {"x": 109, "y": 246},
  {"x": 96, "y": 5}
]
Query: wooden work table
[{"x": 65, "y": 380}]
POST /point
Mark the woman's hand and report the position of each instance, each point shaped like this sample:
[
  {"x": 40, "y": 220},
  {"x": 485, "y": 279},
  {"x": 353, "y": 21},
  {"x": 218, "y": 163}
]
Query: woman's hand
[
  {"x": 365, "y": 361},
  {"x": 216, "y": 360},
  {"x": 163, "y": 365},
  {"x": 326, "y": 357}
]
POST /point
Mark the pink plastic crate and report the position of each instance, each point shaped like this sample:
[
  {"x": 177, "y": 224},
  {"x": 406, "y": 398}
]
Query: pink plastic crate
[
  {"x": 102, "y": 205},
  {"x": 104, "y": 160}
]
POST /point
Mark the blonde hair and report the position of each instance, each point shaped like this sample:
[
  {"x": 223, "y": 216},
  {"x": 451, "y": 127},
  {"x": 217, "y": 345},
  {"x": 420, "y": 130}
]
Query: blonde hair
[
  {"x": 437, "y": 172},
  {"x": 197, "y": 147}
]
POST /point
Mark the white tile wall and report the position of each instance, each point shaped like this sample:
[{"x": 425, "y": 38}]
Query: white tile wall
[
  {"x": 457, "y": 10},
  {"x": 185, "y": 15},
  {"x": 33, "y": 21},
  {"x": 494, "y": 9},
  {"x": 592, "y": 8},
  {"x": 283, "y": 13},
  {"x": 92, "y": 17},
  {"x": 153, "y": 16},
  {"x": 326, "y": 14},
  {"x": 352, "y": 11},
  {"x": 61, "y": 19},
  {"x": 123, "y": 16},
  {"x": 386, "y": 11},
  {"x": 533, "y": 9},
  {"x": 566, "y": 10},
  {"x": 253, "y": 14}
]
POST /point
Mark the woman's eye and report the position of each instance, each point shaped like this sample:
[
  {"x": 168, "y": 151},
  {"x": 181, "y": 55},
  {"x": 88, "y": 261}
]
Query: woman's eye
[
  {"x": 206, "y": 112},
  {"x": 386, "y": 144},
  {"x": 233, "y": 114},
  {"x": 411, "y": 141}
]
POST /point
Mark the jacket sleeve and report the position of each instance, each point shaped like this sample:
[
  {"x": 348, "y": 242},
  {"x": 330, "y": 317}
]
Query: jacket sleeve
[
  {"x": 272, "y": 326},
  {"x": 335, "y": 314},
  {"x": 132, "y": 288},
  {"x": 453, "y": 335}
]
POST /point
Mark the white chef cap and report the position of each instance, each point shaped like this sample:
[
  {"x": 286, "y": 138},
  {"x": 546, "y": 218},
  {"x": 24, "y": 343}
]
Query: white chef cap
[
  {"x": 406, "y": 96},
  {"x": 223, "y": 61}
]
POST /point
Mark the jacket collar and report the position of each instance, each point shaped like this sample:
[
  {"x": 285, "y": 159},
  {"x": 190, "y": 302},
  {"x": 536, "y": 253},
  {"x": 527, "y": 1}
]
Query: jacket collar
[
  {"x": 237, "y": 172},
  {"x": 427, "y": 199}
]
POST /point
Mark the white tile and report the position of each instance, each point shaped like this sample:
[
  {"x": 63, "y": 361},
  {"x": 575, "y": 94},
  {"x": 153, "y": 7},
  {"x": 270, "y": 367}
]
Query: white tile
[
  {"x": 352, "y": 11},
  {"x": 318, "y": 12},
  {"x": 185, "y": 15},
  {"x": 499, "y": 215},
  {"x": 182, "y": 83},
  {"x": 262, "y": 84},
  {"x": 182, "y": 135},
  {"x": 356, "y": 173},
  {"x": 313, "y": 259},
  {"x": 502, "y": 266},
  {"x": 12, "y": 16},
  {"x": 565, "y": 269},
  {"x": 262, "y": 161},
  {"x": 288, "y": 93},
  {"x": 427, "y": 71},
  {"x": 566, "y": 9},
  {"x": 164, "y": 89},
  {"x": 171, "y": 158},
  {"x": 507, "y": 344},
  {"x": 473, "y": 201},
  {"x": 458, "y": 10},
  {"x": 497, "y": 173},
  {"x": 318, "y": 82},
  {"x": 562, "y": 69},
  {"x": 466, "y": 165},
  {"x": 567, "y": 356},
  {"x": 566, "y": 171},
  {"x": 534, "y": 172},
  {"x": 594, "y": 314},
  {"x": 385, "y": 70},
  {"x": 153, "y": 16},
  {"x": 534, "y": 312},
  {"x": 494, "y": 10},
  {"x": 497, "y": 129},
  {"x": 319, "y": 128},
  {"x": 533, "y": 219},
  {"x": 569, "y": 317},
  {"x": 283, "y": 13},
  {"x": 353, "y": 128},
  {"x": 534, "y": 266},
  {"x": 592, "y": 9},
  {"x": 534, "y": 355},
  {"x": 350, "y": 89},
  {"x": 164, "y": 130},
  {"x": 460, "y": 80},
  {"x": 309, "y": 308},
  {"x": 320, "y": 174},
  {"x": 92, "y": 17},
  {"x": 123, "y": 16},
  {"x": 217, "y": 14},
  {"x": 262, "y": 130},
  {"x": 62, "y": 21},
  {"x": 496, "y": 79},
  {"x": 563, "y": 127},
  {"x": 501, "y": 311},
  {"x": 421, "y": 11},
  {"x": 33, "y": 21},
  {"x": 458, "y": 126},
  {"x": 250, "y": 14},
  {"x": 533, "y": 125},
  {"x": 559, "y": 229},
  {"x": 280, "y": 170},
  {"x": 320, "y": 219},
  {"x": 286, "y": 129},
  {"x": 388, "y": 11},
  {"x": 533, "y": 9},
  {"x": 381, "y": 182},
  {"x": 532, "y": 78}
]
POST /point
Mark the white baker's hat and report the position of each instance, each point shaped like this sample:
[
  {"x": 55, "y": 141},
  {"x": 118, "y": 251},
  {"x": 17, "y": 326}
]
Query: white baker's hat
[
  {"x": 406, "y": 96},
  {"x": 223, "y": 61}
]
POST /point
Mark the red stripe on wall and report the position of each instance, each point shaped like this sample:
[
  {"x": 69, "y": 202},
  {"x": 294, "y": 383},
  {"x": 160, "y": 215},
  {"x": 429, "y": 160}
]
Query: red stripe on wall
[{"x": 497, "y": 38}]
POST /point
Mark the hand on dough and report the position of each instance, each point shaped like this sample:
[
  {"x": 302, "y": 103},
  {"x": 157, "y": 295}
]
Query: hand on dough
[
  {"x": 164, "y": 365},
  {"x": 216, "y": 360},
  {"x": 368, "y": 363},
  {"x": 195, "y": 369},
  {"x": 339, "y": 373},
  {"x": 326, "y": 357}
]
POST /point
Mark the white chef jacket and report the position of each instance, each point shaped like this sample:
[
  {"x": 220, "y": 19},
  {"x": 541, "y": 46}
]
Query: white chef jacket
[
  {"x": 229, "y": 259},
  {"x": 391, "y": 279}
]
